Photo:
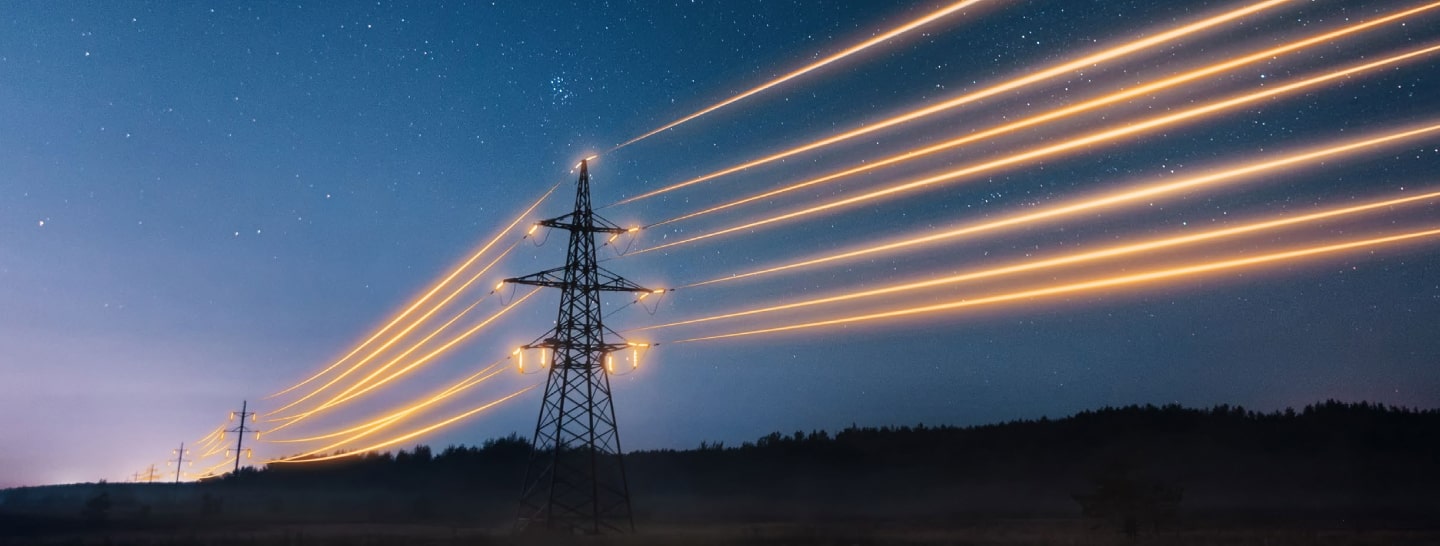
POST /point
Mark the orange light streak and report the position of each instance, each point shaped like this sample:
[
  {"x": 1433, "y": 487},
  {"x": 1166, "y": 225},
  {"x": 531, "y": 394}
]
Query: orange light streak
[
  {"x": 206, "y": 445},
  {"x": 414, "y": 347},
  {"x": 211, "y": 470},
  {"x": 456, "y": 272},
  {"x": 204, "y": 448},
  {"x": 1071, "y": 259},
  {"x": 1076, "y": 109},
  {"x": 475, "y": 379},
  {"x": 210, "y": 439},
  {"x": 1099, "y": 203},
  {"x": 398, "y": 357},
  {"x": 1035, "y": 77},
  {"x": 218, "y": 448},
  {"x": 401, "y": 438},
  {"x": 213, "y": 433},
  {"x": 345, "y": 396},
  {"x": 1094, "y": 285},
  {"x": 892, "y": 33},
  {"x": 1100, "y": 137},
  {"x": 397, "y": 337}
]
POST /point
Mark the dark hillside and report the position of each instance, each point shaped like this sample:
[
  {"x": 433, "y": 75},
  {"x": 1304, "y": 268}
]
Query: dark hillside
[{"x": 1346, "y": 465}]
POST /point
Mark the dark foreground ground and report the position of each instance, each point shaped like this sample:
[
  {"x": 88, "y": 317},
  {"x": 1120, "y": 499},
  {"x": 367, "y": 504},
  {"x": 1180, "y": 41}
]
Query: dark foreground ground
[
  {"x": 1012, "y": 532},
  {"x": 1330, "y": 474}
]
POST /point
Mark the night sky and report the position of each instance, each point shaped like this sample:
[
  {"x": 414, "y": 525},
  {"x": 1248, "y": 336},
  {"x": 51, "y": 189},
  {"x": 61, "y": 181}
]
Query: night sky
[{"x": 204, "y": 203}]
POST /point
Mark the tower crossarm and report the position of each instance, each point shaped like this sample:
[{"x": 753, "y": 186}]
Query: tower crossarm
[
  {"x": 556, "y": 345},
  {"x": 566, "y": 223},
  {"x": 555, "y": 278}
]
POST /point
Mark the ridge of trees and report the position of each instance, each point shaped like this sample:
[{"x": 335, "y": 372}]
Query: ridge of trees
[{"x": 1331, "y": 427}]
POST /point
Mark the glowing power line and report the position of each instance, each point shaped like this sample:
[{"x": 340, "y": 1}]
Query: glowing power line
[
  {"x": 1071, "y": 259},
  {"x": 210, "y": 439},
  {"x": 378, "y": 424},
  {"x": 404, "y": 437},
  {"x": 1062, "y": 113},
  {"x": 1101, "y": 202},
  {"x": 413, "y": 306},
  {"x": 399, "y": 336},
  {"x": 1093, "y": 285},
  {"x": 343, "y": 397},
  {"x": 1033, "y": 77},
  {"x": 211, "y": 470},
  {"x": 397, "y": 358},
  {"x": 1072, "y": 144},
  {"x": 892, "y": 33}
]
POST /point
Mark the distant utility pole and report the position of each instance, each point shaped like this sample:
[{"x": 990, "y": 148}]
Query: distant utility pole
[
  {"x": 179, "y": 461},
  {"x": 150, "y": 474},
  {"x": 241, "y": 430},
  {"x": 575, "y": 479}
]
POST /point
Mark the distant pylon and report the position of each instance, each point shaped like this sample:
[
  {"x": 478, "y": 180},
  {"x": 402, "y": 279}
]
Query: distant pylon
[
  {"x": 179, "y": 461},
  {"x": 240, "y": 430},
  {"x": 150, "y": 475},
  {"x": 575, "y": 479}
]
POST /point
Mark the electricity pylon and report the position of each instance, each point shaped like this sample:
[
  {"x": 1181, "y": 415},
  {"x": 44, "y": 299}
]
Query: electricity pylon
[
  {"x": 241, "y": 430},
  {"x": 149, "y": 476},
  {"x": 575, "y": 480},
  {"x": 180, "y": 460}
]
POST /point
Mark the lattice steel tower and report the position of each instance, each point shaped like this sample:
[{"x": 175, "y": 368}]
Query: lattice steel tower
[
  {"x": 240, "y": 431},
  {"x": 575, "y": 480}
]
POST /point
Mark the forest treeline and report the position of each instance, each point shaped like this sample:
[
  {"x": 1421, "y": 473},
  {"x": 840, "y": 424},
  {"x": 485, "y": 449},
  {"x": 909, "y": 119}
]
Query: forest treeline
[
  {"x": 1328, "y": 457},
  {"x": 1354, "y": 431},
  {"x": 1323, "y": 461}
]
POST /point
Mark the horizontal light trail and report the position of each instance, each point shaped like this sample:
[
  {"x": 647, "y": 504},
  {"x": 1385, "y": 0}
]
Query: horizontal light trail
[
  {"x": 426, "y": 297},
  {"x": 477, "y": 378},
  {"x": 402, "y": 438},
  {"x": 1075, "y": 258},
  {"x": 1100, "y": 137},
  {"x": 216, "y": 449},
  {"x": 433, "y": 354},
  {"x": 213, "y": 433},
  {"x": 397, "y": 358},
  {"x": 1095, "y": 285},
  {"x": 1101, "y": 202},
  {"x": 415, "y": 364},
  {"x": 1062, "y": 113},
  {"x": 1034, "y": 77},
  {"x": 892, "y": 33},
  {"x": 401, "y": 335},
  {"x": 210, "y": 439},
  {"x": 203, "y": 449},
  {"x": 437, "y": 307},
  {"x": 211, "y": 470}
]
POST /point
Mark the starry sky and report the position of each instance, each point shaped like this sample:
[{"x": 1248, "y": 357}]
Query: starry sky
[{"x": 203, "y": 203}]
